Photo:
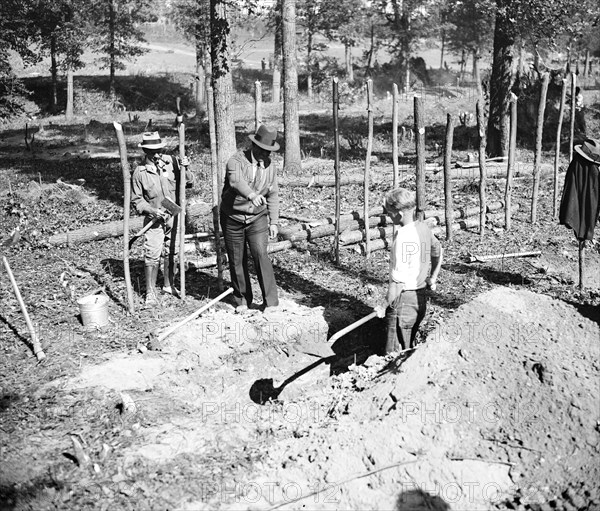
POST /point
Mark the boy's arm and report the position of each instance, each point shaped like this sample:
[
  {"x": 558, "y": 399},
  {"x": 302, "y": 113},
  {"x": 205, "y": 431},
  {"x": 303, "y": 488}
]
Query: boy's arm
[
  {"x": 436, "y": 265},
  {"x": 393, "y": 292}
]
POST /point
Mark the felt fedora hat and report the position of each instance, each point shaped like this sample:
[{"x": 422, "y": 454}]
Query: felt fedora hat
[
  {"x": 151, "y": 140},
  {"x": 590, "y": 150},
  {"x": 265, "y": 138}
]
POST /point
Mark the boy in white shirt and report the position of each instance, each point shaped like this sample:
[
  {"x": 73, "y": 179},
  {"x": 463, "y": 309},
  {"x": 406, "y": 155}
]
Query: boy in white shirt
[{"x": 415, "y": 251}]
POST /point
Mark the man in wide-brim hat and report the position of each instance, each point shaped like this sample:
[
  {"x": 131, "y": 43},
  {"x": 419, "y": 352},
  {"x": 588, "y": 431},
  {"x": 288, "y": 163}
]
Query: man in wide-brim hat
[
  {"x": 580, "y": 205},
  {"x": 249, "y": 217},
  {"x": 152, "y": 181}
]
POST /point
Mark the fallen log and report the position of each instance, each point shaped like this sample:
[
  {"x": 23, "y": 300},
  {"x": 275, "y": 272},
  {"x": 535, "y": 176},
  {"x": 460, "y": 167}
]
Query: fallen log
[
  {"x": 210, "y": 261},
  {"x": 483, "y": 259},
  {"x": 496, "y": 170},
  {"x": 197, "y": 214}
]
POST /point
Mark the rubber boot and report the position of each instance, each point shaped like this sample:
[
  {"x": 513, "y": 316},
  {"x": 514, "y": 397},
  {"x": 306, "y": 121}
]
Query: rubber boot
[
  {"x": 151, "y": 272},
  {"x": 169, "y": 277}
]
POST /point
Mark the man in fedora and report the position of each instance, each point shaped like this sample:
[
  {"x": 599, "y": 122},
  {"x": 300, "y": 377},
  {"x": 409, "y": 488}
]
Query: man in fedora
[
  {"x": 579, "y": 206},
  {"x": 249, "y": 217},
  {"x": 154, "y": 180}
]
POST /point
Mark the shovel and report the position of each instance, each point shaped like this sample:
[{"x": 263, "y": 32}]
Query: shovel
[
  {"x": 155, "y": 339},
  {"x": 172, "y": 208},
  {"x": 263, "y": 390}
]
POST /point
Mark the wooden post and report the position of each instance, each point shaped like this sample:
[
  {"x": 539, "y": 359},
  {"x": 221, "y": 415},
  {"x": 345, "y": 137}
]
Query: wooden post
[
  {"x": 395, "y": 133},
  {"x": 336, "y": 168},
  {"x": 447, "y": 179},
  {"x": 420, "y": 148},
  {"x": 368, "y": 164},
  {"x": 538, "y": 146},
  {"x": 561, "y": 112},
  {"x": 572, "y": 131},
  {"x": 482, "y": 173},
  {"x": 510, "y": 169},
  {"x": 581, "y": 262},
  {"x": 181, "y": 219},
  {"x": 35, "y": 342},
  {"x": 257, "y": 105},
  {"x": 215, "y": 181},
  {"x": 126, "y": 209}
]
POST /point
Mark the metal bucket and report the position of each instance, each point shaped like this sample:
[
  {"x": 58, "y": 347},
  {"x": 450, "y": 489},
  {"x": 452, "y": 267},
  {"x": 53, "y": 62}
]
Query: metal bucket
[{"x": 94, "y": 310}]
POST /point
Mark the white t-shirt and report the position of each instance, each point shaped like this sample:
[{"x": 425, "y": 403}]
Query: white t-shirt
[{"x": 411, "y": 252}]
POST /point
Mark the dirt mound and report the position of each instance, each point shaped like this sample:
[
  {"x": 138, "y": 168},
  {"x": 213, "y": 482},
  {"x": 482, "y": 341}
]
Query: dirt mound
[{"x": 498, "y": 406}]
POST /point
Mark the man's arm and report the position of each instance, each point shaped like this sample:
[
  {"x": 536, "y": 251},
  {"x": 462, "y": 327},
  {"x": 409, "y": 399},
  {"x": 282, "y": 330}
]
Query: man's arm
[
  {"x": 235, "y": 175},
  {"x": 436, "y": 265}
]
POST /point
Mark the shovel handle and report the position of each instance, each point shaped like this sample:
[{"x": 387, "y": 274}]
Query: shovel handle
[
  {"x": 171, "y": 329},
  {"x": 37, "y": 347},
  {"x": 351, "y": 327},
  {"x": 142, "y": 231}
]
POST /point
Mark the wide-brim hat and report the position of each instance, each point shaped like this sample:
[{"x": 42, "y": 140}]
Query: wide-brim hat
[
  {"x": 151, "y": 140},
  {"x": 590, "y": 150},
  {"x": 265, "y": 138}
]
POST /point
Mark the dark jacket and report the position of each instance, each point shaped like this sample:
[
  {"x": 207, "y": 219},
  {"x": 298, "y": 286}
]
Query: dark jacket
[
  {"x": 579, "y": 206},
  {"x": 239, "y": 184}
]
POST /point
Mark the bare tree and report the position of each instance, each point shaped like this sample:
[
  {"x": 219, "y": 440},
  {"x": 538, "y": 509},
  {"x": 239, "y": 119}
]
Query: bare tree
[{"x": 290, "y": 87}]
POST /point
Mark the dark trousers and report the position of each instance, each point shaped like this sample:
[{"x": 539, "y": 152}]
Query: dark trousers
[
  {"x": 404, "y": 317},
  {"x": 255, "y": 235}
]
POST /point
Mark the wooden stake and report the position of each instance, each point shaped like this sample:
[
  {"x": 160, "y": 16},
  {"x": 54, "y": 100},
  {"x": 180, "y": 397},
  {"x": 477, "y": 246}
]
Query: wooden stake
[
  {"x": 447, "y": 178},
  {"x": 35, "y": 342},
  {"x": 336, "y": 168},
  {"x": 538, "y": 146},
  {"x": 181, "y": 216},
  {"x": 395, "y": 133},
  {"x": 257, "y": 105},
  {"x": 482, "y": 173},
  {"x": 126, "y": 208},
  {"x": 510, "y": 169},
  {"x": 420, "y": 149},
  {"x": 561, "y": 113},
  {"x": 572, "y": 131},
  {"x": 581, "y": 262},
  {"x": 216, "y": 193},
  {"x": 368, "y": 161}
]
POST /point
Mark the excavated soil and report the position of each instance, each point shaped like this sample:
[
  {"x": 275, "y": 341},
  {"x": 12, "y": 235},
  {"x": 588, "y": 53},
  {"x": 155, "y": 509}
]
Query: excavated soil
[{"x": 497, "y": 408}]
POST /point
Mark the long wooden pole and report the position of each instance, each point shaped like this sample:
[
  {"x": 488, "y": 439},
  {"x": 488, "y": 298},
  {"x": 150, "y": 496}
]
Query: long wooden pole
[
  {"x": 447, "y": 178},
  {"x": 395, "y": 133},
  {"x": 572, "y": 130},
  {"x": 181, "y": 216},
  {"x": 561, "y": 112},
  {"x": 215, "y": 180},
  {"x": 581, "y": 263},
  {"x": 510, "y": 169},
  {"x": 538, "y": 146},
  {"x": 126, "y": 209},
  {"x": 368, "y": 161},
  {"x": 35, "y": 341},
  {"x": 420, "y": 149},
  {"x": 482, "y": 172},
  {"x": 336, "y": 168}
]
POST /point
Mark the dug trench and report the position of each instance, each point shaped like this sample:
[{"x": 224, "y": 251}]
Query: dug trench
[{"x": 498, "y": 408}]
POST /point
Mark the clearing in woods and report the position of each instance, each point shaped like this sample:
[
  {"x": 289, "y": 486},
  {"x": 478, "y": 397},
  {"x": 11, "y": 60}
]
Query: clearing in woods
[{"x": 497, "y": 407}]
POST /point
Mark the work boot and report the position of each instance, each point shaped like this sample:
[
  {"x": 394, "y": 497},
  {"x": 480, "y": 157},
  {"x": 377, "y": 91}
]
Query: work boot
[
  {"x": 151, "y": 272},
  {"x": 168, "y": 277}
]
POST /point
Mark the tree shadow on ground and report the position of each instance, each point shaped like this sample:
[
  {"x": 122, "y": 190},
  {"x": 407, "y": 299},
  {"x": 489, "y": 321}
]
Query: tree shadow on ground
[{"x": 502, "y": 278}]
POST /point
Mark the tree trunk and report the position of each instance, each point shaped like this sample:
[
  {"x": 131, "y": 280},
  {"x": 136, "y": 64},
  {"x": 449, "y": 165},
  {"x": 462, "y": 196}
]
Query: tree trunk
[
  {"x": 200, "y": 75},
  {"x": 349, "y": 66},
  {"x": 69, "y": 110},
  {"x": 54, "y": 72},
  {"x": 112, "y": 29},
  {"x": 371, "y": 50},
  {"x": 277, "y": 52},
  {"x": 222, "y": 84},
  {"x": 586, "y": 65},
  {"x": 443, "y": 48},
  {"x": 537, "y": 161},
  {"x": 501, "y": 83},
  {"x": 291, "y": 122},
  {"x": 476, "y": 75},
  {"x": 309, "y": 90}
]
